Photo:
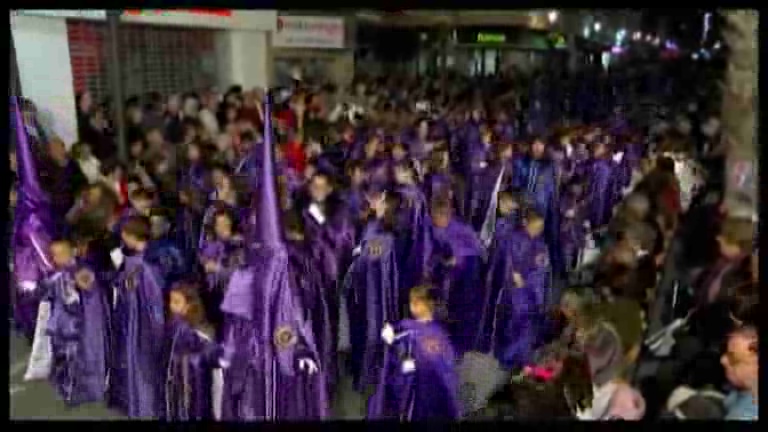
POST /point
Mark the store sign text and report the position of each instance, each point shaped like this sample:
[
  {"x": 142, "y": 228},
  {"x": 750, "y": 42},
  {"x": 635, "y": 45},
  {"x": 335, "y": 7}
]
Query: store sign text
[
  {"x": 309, "y": 32},
  {"x": 491, "y": 38}
]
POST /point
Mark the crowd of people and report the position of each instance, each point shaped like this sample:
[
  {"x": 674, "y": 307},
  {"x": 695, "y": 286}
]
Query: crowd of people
[{"x": 414, "y": 229}]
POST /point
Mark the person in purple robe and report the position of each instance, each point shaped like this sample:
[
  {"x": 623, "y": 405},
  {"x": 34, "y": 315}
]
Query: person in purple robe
[
  {"x": 188, "y": 222},
  {"x": 354, "y": 196},
  {"x": 495, "y": 175},
  {"x": 372, "y": 288},
  {"x": 137, "y": 328},
  {"x": 414, "y": 247},
  {"x": 191, "y": 358},
  {"x": 269, "y": 357},
  {"x": 77, "y": 327},
  {"x": 33, "y": 230},
  {"x": 220, "y": 256},
  {"x": 535, "y": 175},
  {"x": 519, "y": 285},
  {"x": 193, "y": 174},
  {"x": 601, "y": 191},
  {"x": 162, "y": 251},
  {"x": 440, "y": 182},
  {"x": 317, "y": 297},
  {"x": 509, "y": 212},
  {"x": 419, "y": 379},
  {"x": 573, "y": 235},
  {"x": 458, "y": 271}
]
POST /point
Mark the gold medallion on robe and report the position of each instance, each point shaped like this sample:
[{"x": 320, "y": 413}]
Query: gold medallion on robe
[
  {"x": 375, "y": 248},
  {"x": 285, "y": 337}
]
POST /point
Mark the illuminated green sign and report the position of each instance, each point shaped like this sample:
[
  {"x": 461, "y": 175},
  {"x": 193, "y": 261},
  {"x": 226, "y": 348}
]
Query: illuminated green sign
[{"x": 491, "y": 38}]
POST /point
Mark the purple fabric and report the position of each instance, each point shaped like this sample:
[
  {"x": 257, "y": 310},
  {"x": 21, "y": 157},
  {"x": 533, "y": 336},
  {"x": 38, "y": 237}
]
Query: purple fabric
[
  {"x": 79, "y": 339},
  {"x": 34, "y": 228},
  {"x": 229, "y": 255},
  {"x": 189, "y": 375},
  {"x": 372, "y": 294},
  {"x": 431, "y": 391},
  {"x": 482, "y": 186},
  {"x": 513, "y": 317},
  {"x": 414, "y": 252},
  {"x": 601, "y": 192},
  {"x": 319, "y": 298},
  {"x": 572, "y": 231},
  {"x": 138, "y": 320},
  {"x": 266, "y": 330},
  {"x": 459, "y": 245}
]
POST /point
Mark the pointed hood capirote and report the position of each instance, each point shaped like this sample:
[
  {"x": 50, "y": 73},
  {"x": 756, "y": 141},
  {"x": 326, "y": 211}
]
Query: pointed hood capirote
[
  {"x": 27, "y": 167},
  {"x": 268, "y": 230},
  {"x": 267, "y": 262}
]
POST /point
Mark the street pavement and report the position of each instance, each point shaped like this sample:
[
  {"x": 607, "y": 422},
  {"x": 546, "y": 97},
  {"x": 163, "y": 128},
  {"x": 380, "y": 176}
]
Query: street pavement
[{"x": 37, "y": 400}]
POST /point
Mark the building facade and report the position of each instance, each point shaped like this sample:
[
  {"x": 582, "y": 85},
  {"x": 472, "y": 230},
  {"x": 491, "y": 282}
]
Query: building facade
[{"x": 63, "y": 52}]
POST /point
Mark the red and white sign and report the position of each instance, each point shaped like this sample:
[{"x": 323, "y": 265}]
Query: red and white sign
[{"x": 309, "y": 32}]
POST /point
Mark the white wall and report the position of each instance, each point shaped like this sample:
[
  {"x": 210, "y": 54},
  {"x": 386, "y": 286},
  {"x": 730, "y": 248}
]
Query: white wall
[
  {"x": 244, "y": 58},
  {"x": 45, "y": 72}
]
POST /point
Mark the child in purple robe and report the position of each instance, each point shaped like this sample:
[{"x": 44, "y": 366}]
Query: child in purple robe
[
  {"x": 189, "y": 218},
  {"x": 419, "y": 380},
  {"x": 600, "y": 177},
  {"x": 519, "y": 277},
  {"x": 372, "y": 289},
  {"x": 137, "y": 327},
  {"x": 457, "y": 270},
  {"x": 220, "y": 256},
  {"x": 509, "y": 211},
  {"x": 573, "y": 234},
  {"x": 192, "y": 378},
  {"x": 77, "y": 328}
]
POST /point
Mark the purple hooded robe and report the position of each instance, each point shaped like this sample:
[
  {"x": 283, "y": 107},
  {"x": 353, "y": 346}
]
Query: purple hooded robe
[
  {"x": 459, "y": 242},
  {"x": 33, "y": 229},
  {"x": 192, "y": 357},
  {"x": 514, "y": 317},
  {"x": 372, "y": 294},
  {"x": 267, "y": 336},
  {"x": 229, "y": 255},
  {"x": 78, "y": 330},
  {"x": 431, "y": 390},
  {"x": 601, "y": 191},
  {"x": 572, "y": 231},
  {"x": 137, "y": 328}
]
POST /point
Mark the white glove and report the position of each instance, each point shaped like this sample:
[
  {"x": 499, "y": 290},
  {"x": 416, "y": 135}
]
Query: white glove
[
  {"x": 308, "y": 365},
  {"x": 388, "y": 334},
  {"x": 409, "y": 366},
  {"x": 570, "y": 213},
  {"x": 223, "y": 363},
  {"x": 27, "y": 286}
]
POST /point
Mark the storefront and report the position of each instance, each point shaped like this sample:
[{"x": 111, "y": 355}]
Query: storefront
[
  {"x": 313, "y": 48},
  {"x": 161, "y": 50}
]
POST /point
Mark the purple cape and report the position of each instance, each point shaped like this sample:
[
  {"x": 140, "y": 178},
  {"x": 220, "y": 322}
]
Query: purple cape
[
  {"x": 513, "y": 316},
  {"x": 79, "y": 338},
  {"x": 266, "y": 335},
  {"x": 414, "y": 246},
  {"x": 372, "y": 294},
  {"x": 34, "y": 227},
  {"x": 459, "y": 242},
  {"x": 230, "y": 255},
  {"x": 572, "y": 231},
  {"x": 601, "y": 192},
  {"x": 431, "y": 391},
  {"x": 537, "y": 178},
  {"x": 138, "y": 319},
  {"x": 191, "y": 358}
]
